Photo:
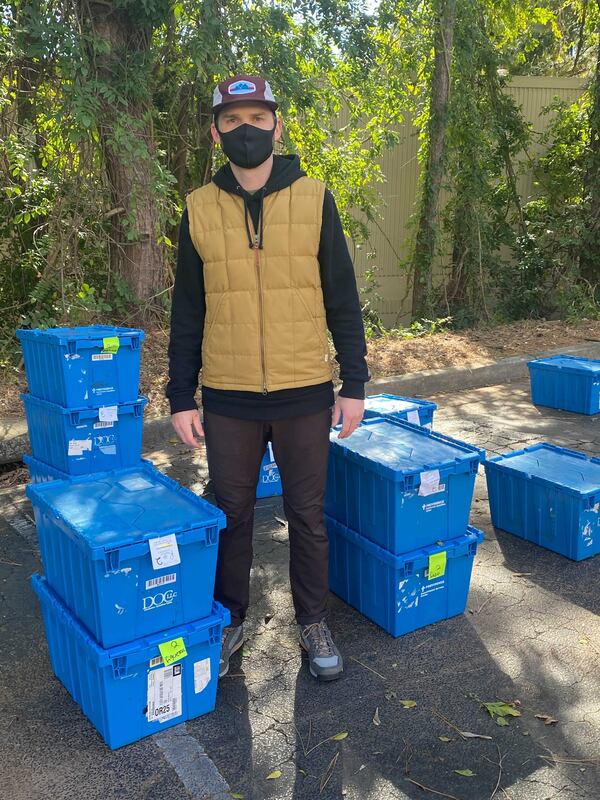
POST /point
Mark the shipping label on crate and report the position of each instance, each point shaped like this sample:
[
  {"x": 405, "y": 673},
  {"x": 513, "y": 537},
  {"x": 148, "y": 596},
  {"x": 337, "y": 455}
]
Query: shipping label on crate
[
  {"x": 108, "y": 413},
  {"x": 164, "y": 551},
  {"x": 77, "y": 447},
  {"x": 201, "y": 675},
  {"x": 430, "y": 483},
  {"x": 102, "y": 357},
  {"x": 164, "y": 693}
]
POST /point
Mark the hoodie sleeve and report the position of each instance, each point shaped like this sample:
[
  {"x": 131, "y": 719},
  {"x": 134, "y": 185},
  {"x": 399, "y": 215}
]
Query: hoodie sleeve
[
  {"x": 187, "y": 323},
  {"x": 342, "y": 306}
]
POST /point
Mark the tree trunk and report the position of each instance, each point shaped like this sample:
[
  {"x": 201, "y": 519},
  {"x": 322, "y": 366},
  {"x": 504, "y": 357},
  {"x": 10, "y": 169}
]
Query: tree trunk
[
  {"x": 134, "y": 252},
  {"x": 440, "y": 91},
  {"x": 589, "y": 261}
]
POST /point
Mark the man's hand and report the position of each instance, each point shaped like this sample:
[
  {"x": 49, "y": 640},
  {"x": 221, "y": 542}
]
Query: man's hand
[
  {"x": 352, "y": 412},
  {"x": 187, "y": 426}
]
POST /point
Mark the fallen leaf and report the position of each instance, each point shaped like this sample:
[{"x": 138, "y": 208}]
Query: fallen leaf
[
  {"x": 466, "y": 773},
  {"x": 339, "y": 736},
  {"x": 174, "y": 441},
  {"x": 467, "y": 735},
  {"x": 274, "y": 775},
  {"x": 444, "y": 738},
  {"x": 500, "y": 710},
  {"x": 328, "y": 772},
  {"x": 502, "y": 721},
  {"x": 548, "y": 720},
  {"x": 303, "y": 771},
  {"x": 408, "y": 703},
  {"x": 280, "y": 521},
  {"x": 376, "y": 720},
  {"x": 237, "y": 796}
]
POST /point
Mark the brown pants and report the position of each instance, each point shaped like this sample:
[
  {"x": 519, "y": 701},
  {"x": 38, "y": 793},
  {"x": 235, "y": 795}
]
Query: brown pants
[{"x": 235, "y": 448}]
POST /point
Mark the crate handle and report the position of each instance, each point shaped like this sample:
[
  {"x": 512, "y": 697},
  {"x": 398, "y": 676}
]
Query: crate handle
[
  {"x": 112, "y": 559},
  {"x": 71, "y": 347},
  {"x": 119, "y": 666},
  {"x": 74, "y": 417}
]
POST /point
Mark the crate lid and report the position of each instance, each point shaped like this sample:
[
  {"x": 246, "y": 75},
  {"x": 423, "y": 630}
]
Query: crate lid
[
  {"x": 83, "y": 412},
  {"x": 454, "y": 548},
  {"x": 119, "y": 508},
  {"x": 556, "y": 465},
  {"x": 80, "y": 334},
  {"x": 397, "y": 448},
  {"x": 392, "y": 404},
  {"x": 568, "y": 363},
  {"x": 138, "y": 650}
]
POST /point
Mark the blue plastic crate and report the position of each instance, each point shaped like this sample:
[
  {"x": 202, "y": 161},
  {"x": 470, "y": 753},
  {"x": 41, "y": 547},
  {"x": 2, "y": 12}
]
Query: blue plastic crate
[
  {"x": 269, "y": 480},
  {"x": 567, "y": 383},
  {"x": 396, "y": 592},
  {"x": 419, "y": 412},
  {"x": 40, "y": 472},
  {"x": 96, "y": 537},
  {"x": 77, "y": 367},
  {"x": 78, "y": 441},
  {"x": 119, "y": 690},
  {"x": 549, "y": 496},
  {"x": 401, "y": 485}
]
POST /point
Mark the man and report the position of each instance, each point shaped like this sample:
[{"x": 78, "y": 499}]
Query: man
[{"x": 263, "y": 270}]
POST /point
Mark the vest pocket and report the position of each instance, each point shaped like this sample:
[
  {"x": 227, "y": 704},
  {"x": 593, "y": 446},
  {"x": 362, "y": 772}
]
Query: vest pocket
[
  {"x": 213, "y": 318},
  {"x": 313, "y": 319}
]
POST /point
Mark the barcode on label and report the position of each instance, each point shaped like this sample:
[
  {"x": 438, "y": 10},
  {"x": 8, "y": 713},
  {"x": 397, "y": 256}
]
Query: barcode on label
[
  {"x": 102, "y": 357},
  {"x": 103, "y": 425},
  {"x": 154, "y": 662},
  {"x": 160, "y": 581}
]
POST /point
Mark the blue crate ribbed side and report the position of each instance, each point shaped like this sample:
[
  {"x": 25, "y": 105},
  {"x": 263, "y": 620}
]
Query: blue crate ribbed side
[
  {"x": 127, "y": 692},
  {"x": 549, "y": 496},
  {"x": 78, "y": 441},
  {"x": 85, "y": 366},
  {"x": 40, "y": 472},
  {"x": 419, "y": 412},
  {"x": 568, "y": 383},
  {"x": 401, "y": 485},
  {"x": 269, "y": 479},
  {"x": 95, "y": 538},
  {"x": 395, "y": 591}
]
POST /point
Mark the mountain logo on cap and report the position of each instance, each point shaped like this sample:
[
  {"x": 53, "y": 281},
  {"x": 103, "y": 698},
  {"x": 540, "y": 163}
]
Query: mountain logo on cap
[{"x": 242, "y": 87}]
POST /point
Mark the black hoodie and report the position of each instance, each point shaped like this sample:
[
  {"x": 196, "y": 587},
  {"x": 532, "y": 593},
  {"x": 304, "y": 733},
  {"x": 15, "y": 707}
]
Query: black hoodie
[{"x": 340, "y": 296}]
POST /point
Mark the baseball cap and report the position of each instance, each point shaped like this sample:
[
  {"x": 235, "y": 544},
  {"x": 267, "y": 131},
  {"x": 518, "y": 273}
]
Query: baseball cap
[{"x": 243, "y": 88}]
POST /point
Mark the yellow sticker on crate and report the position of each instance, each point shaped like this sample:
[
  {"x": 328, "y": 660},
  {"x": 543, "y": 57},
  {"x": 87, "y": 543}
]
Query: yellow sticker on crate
[
  {"x": 172, "y": 651},
  {"x": 437, "y": 565},
  {"x": 111, "y": 344}
]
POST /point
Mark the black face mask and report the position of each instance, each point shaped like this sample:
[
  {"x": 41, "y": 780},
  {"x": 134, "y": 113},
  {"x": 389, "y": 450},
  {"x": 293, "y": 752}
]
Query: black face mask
[{"x": 247, "y": 146}]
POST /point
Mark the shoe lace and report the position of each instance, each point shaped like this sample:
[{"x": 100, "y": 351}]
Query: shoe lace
[{"x": 320, "y": 638}]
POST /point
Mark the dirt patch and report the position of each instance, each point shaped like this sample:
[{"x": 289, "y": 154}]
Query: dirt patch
[{"x": 387, "y": 356}]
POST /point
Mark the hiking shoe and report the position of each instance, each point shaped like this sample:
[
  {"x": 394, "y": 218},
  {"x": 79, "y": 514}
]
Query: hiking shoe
[
  {"x": 231, "y": 641},
  {"x": 324, "y": 659}
]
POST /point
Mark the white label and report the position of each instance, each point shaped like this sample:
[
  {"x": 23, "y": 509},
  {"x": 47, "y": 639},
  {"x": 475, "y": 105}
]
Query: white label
[
  {"x": 108, "y": 413},
  {"x": 103, "y": 389},
  {"x": 164, "y": 551},
  {"x": 431, "y": 506},
  {"x": 103, "y": 425},
  {"x": 78, "y": 446},
  {"x": 164, "y": 693},
  {"x": 102, "y": 357},
  {"x": 135, "y": 484},
  {"x": 201, "y": 675},
  {"x": 413, "y": 416},
  {"x": 161, "y": 580},
  {"x": 430, "y": 483}
]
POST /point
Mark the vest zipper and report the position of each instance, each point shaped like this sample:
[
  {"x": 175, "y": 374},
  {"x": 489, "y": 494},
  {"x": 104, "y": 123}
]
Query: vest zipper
[{"x": 255, "y": 247}]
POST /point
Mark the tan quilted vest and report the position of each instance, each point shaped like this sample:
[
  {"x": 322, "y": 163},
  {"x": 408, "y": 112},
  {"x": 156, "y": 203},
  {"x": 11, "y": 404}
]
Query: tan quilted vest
[{"x": 265, "y": 323}]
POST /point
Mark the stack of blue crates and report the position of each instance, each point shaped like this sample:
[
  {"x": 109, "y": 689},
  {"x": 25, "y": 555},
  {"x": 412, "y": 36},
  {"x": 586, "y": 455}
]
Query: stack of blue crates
[
  {"x": 546, "y": 494},
  {"x": 129, "y": 555},
  {"x": 397, "y": 509}
]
